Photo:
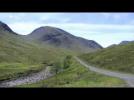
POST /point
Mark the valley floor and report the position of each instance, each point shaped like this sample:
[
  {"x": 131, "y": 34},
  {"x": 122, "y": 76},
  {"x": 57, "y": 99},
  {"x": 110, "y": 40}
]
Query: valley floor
[
  {"x": 33, "y": 78},
  {"x": 77, "y": 75}
]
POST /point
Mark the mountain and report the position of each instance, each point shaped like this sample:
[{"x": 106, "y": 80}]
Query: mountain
[
  {"x": 25, "y": 56},
  {"x": 125, "y": 42},
  {"x": 20, "y": 56},
  {"x": 5, "y": 27},
  {"x": 121, "y": 43},
  {"x": 60, "y": 38},
  {"x": 119, "y": 58}
]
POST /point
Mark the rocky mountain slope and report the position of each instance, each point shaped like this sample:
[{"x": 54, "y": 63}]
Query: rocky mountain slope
[
  {"x": 60, "y": 38},
  {"x": 6, "y": 28}
]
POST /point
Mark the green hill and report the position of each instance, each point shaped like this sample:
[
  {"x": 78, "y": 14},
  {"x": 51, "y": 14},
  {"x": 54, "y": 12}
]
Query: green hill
[
  {"x": 119, "y": 58},
  {"x": 19, "y": 56}
]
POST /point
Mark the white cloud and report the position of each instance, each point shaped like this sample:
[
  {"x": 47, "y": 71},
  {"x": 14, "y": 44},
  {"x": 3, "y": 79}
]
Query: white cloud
[
  {"x": 15, "y": 16},
  {"x": 54, "y": 17},
  {"x": 47, "y": 16},
  {"x": 94, "y": 27},
  {"x": 11, "y": 16},
  {"x": 24, "y": 28},
  {"x": 106, "y": 15},
  {"x": 115, "y": 16}
]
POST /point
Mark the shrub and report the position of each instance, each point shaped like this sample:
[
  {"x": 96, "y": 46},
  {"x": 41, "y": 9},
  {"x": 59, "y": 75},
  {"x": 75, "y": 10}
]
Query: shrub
[
  {"x": 56, "y": 67},
  {"x": 67, "y": 61}
]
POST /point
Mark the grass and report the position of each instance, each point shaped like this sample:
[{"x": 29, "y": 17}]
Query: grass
[
  {"x": 20, "y": 56},
  {"x": 16, "y": 49},
  {"x": 78, "y": 76},
  {"x": 15, "y": 70},
  {"x": 118, "y": 58}
]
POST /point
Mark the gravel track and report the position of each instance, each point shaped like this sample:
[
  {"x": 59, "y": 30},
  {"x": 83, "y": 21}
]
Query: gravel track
[{"x": 128, "y": 78}]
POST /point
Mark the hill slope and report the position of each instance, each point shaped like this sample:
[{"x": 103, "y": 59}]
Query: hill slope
[
  {"x": 120, "y": 58},
  {"x": 19, "y": 55},
  {"x": 60, "y": 38},
  {"x": 6, "y": 28}
]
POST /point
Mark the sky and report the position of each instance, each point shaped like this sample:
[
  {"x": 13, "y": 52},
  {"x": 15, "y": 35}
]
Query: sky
[{"x": 104, "y": 28}]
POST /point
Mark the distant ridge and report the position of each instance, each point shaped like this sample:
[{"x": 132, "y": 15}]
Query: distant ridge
[{"x": 125, "y": 42}]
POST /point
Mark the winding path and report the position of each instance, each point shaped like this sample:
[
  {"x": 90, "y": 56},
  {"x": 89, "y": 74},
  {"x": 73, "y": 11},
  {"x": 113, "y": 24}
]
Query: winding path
[
  {"x": 33, "y": 78},
  {"x": 129, "y": 78},
  {"x": 44, "y": 74}
]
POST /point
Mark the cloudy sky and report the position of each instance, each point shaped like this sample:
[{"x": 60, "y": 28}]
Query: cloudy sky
[{"x": 104, "y": 28}]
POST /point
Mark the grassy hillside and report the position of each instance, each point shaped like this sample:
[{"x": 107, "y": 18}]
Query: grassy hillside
[
  {"x": 19, "y": 56},
  {"x": 119, "y": 58},
  {"x": 78, "y": 76}
]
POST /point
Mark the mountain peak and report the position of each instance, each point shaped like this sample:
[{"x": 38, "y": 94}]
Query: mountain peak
[
  {"x": 60, "y": 38},
  {"x": 46, "y": 27},
  {"x": 48, "y": 31}
]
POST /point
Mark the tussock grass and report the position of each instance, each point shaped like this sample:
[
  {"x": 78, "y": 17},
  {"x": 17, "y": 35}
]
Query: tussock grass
[{"x": 119, "y": 58}]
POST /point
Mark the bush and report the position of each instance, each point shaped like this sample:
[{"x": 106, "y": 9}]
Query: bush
[
  {"x": 59, "y": 66},
  {"x": 56, "y": 67},
  {"x": 67, "y": 61}
]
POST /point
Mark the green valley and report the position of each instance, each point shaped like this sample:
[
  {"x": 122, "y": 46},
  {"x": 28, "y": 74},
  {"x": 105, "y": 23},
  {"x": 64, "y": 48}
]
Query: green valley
[
  {"x": 25, "y": 55},
  {"x": 78, "y": 76}
]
